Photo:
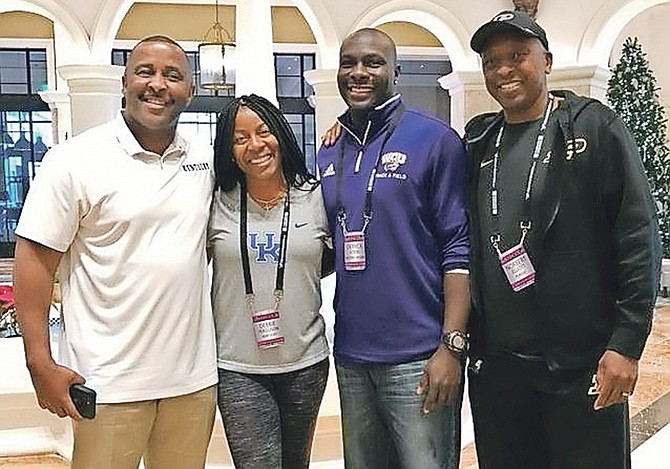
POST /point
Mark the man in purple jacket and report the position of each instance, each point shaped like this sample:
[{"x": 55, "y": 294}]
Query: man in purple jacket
[{"x": 394, "y": 190}]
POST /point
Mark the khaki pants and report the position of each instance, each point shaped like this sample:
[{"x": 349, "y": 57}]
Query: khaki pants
[{"x": 170, "y": 433}]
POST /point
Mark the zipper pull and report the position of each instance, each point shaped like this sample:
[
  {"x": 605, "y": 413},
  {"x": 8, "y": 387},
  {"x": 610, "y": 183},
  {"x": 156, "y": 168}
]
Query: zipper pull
[{"x": 357, "y": 167}]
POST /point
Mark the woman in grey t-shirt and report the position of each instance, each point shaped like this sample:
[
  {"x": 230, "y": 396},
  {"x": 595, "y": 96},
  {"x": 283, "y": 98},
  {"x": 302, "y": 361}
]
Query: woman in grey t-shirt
[{"x": 272, "y": 350}]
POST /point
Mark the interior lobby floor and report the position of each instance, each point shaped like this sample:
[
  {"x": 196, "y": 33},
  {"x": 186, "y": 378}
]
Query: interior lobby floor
[
  {"x": 649, "y": 409},
  {"x": 649, "y": 405}
]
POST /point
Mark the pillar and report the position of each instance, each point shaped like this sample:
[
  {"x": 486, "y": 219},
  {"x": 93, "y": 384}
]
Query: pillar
[
  {"x": 589, "y": 80},
  {"x": 327, "y": 100},
  {"x": 468, "y": 97},
  {"x": 59, "y": 104},
  {"x": 95, "y": 94},
  {"x": 255, "y": 66}
]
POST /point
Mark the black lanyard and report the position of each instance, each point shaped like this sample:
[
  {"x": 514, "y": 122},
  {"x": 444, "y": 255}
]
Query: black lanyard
[
  {"x": 244, "y": 252},
  {"x": 367, "y": 212},
  {"x": 525, "y": 223}
]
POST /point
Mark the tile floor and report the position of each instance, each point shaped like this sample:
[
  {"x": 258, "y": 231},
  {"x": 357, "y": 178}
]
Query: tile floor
[{"x": 649, "y": 407}]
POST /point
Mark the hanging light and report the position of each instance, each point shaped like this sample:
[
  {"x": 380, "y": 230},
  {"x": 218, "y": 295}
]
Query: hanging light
[{"x": 216, "y": 57}]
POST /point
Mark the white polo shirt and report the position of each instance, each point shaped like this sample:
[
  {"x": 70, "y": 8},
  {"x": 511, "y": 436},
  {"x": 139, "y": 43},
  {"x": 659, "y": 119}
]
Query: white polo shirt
[{"x": 137, "y": 321}]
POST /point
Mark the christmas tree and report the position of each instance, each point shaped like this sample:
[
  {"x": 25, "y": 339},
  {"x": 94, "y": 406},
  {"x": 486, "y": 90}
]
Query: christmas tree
[{"x": 633, "y": 94}]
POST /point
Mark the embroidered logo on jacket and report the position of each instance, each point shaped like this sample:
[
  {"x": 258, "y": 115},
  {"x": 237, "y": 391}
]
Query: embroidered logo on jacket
[
  {"x": 330, "y": 171},
  {"x": 574, "y": 147},
  {"x": 391, "y": 161}
]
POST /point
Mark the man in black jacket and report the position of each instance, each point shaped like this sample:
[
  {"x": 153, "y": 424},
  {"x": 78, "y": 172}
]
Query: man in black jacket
[{"x": 565, "y": 264}]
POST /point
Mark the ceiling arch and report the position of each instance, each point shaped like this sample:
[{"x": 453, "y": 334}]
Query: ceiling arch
[
  {"x": 113, "y": 11},
  {"x": 440, "y": 22},
  {"x": 68, "y": 30},
  {"x": 327, "y": 39},
  {"x": 601, "y": 34}
]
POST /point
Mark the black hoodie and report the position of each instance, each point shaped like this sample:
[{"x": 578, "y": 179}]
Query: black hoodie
[{"x": 598, "y": 256}]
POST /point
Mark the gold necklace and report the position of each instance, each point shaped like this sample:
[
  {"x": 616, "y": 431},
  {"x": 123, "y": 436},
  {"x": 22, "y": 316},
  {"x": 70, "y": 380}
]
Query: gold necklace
[{"x": 267, "y": 204}]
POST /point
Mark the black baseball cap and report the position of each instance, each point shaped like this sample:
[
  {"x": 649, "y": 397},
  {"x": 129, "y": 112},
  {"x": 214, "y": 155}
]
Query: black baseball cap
[{"x": 516, "y": 21}]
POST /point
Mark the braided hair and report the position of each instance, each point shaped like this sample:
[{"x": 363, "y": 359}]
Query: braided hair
[{"x": 226, "y": 171}]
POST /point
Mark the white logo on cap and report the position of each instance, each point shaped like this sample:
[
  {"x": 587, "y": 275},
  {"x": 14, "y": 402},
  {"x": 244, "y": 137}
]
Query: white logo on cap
[{"x": 504, "y": 17}]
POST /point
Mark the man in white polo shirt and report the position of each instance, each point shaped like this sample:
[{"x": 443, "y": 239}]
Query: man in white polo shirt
[{"x": 121, "y": 210}]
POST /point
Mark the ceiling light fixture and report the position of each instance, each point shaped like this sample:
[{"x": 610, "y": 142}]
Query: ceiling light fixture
[{"x": 216, "y": 57}]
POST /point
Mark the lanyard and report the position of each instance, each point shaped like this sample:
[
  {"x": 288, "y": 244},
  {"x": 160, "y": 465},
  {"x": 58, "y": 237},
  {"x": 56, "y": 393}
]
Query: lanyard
[
  {"x": 525, "y": 222},
  {"x": 367, "y": 211},
  {"x": 244, "y": 252}
]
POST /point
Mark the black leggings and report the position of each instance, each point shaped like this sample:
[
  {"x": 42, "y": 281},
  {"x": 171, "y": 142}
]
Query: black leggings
[
  {"x": 527, "y": 417},
  {"x": 270, "y": 419}
]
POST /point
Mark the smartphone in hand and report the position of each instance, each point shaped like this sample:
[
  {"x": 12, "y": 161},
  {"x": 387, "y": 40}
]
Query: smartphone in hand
[{"x": 84, "y": 400}]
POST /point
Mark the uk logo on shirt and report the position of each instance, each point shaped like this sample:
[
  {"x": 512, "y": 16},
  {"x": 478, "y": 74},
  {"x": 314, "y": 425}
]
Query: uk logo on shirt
[{"x": 265, "y": 246}]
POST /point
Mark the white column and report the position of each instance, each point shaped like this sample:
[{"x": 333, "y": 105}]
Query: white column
[
  {"x": 328, "y": 102},
  {"x": 95, "y": 93},
  {"x": 468, "y": 97},
  {"x": 255, "y": 67},
  {"x": 590, "y": 80},
  {"x": 59, "y": 104}
]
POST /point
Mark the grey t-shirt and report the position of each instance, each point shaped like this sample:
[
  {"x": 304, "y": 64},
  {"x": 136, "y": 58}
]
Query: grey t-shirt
[{"x": 301, "y": 324}]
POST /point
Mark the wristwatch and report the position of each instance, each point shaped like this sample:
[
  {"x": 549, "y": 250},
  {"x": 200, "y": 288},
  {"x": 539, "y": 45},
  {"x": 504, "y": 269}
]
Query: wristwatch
[{"x": 455, "y": 341}]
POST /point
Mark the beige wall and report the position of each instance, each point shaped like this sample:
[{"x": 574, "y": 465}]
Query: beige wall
[
  {"x": 410, "y": 34},
  {"x": 22, "y": 25},
  {"x": 289, "y": 26},
  {"x": 144, "y": 19},
  {"x": 180, "y": 22}
]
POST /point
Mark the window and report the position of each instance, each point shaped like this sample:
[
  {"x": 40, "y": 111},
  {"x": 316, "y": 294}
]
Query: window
[
  {"x": 25, "y": 133},
  {"x": 198, "y": 125},
  {"x": 419, "y": 87},
  {"x": 304, "y": 128},
  {"x": 120, "y": 56},
  {"x": 23, "y": 71},
  {"x": 292, "y": 93},
  {"x": 289, "y": 69}
]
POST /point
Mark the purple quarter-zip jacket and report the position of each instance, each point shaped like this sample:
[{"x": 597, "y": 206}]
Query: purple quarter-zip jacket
[{"x": 392, "y": 312}]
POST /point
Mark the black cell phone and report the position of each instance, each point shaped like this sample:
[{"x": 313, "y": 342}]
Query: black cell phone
[{"x": 84, "y": 400}]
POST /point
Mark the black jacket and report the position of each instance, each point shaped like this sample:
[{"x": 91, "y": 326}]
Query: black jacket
[{"x": 598, "y": 254}]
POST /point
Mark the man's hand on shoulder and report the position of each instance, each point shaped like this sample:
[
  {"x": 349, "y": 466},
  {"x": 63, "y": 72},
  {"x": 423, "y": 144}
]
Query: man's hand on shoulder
[
  {"x": 616, "y": 378},
  {"x": 331, "y": 135},
  {"x": 441, "y": 380},
  {"x": 52, "y": 383}
]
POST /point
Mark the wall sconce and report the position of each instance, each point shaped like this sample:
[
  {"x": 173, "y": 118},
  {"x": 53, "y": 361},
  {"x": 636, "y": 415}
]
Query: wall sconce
[{"x": 216, "y": 57}]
